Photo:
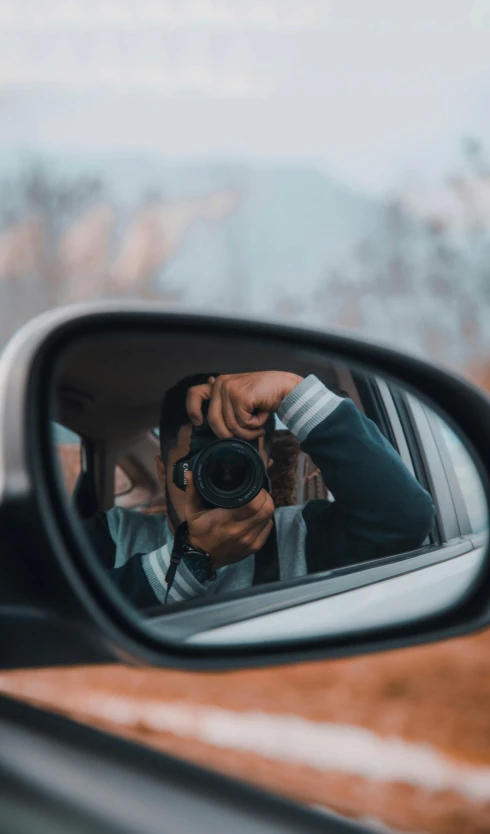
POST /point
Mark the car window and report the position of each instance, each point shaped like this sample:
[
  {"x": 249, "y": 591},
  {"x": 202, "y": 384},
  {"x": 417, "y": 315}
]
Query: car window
[
  {"x": 468, "y": 478},
  {"x": 68, "y": 447}
]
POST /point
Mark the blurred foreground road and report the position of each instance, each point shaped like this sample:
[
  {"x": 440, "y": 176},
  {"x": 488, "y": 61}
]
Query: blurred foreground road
[{"x": 402, "y": 738}]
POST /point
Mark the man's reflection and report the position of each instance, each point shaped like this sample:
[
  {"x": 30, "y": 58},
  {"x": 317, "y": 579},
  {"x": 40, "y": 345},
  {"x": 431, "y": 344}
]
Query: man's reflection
[{"x": 379, "y": 508}]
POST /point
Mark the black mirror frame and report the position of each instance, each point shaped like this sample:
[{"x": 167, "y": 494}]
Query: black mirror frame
[{"x": 51, "y": 590}]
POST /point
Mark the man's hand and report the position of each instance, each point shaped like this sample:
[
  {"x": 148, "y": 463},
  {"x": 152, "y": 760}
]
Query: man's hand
[
  {"x": 239, "y": 404},
  {"x": 228, "y": 535}
]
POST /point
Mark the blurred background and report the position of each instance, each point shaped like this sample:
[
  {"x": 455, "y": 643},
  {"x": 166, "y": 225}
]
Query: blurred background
[
  {"x": 321, "y": 160},
  {"x": 328, "y": 161}
]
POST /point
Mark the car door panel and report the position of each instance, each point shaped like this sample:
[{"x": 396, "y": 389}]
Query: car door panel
[{"x": 58, "y": 776}]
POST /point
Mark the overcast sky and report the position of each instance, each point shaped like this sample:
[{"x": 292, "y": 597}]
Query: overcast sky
[{"x": 374, "y": 91}]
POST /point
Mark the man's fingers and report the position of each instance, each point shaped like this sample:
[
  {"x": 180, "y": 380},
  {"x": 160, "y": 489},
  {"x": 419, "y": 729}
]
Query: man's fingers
[
  {"x": 253, "y": 538},
  {"x": 193, "y": 503},
  {"x": 252, "y": 424},
  {"x": 248, "y": 534},
  {"x": 260, "y": 519},
  {"x": 262, "y": 505},
  {"x": 257, "y": 512},
  {"x": 216, "y": 418},
  {"x": 229, "y": 415},
  {"x": 195, "y": 398},
  {"x": 226, "y": 534},
  {"x": 245, "y": 425},
  {"x": 262, "y": 537}
]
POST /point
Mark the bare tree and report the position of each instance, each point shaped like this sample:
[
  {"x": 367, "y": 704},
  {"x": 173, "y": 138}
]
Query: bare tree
[
  {"x": 36, "y": 208},
  {"x": 424, "y": 282}
]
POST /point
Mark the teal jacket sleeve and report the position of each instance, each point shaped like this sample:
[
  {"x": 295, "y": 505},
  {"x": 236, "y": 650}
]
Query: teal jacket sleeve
[{"x": 380, "y": 509}]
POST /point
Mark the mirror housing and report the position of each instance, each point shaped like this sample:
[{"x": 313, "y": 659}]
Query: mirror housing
[{"x": 51, "y": 597}]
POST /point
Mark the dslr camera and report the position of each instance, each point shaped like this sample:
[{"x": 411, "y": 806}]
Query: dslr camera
[{"x": 227, "y": 472}]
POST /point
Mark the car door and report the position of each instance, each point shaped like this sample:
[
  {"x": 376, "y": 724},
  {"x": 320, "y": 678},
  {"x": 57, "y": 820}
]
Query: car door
[{"x": 59, "y": 776}]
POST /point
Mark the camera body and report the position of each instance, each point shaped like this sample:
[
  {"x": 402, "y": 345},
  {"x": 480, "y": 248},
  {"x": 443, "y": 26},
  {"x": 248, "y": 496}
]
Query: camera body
[{"x": 227, "y": 472}]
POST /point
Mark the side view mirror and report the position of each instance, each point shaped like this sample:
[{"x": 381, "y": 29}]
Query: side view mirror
[{"x": 334, "y": 502}]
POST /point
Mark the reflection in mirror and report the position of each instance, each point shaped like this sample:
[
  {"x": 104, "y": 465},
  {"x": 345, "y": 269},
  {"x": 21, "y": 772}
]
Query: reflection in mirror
[{"x": 212, "y": 469}]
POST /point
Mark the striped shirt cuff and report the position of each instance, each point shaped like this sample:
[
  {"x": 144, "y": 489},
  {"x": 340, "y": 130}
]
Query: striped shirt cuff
[
  {"x": 185, "y": 586},
  {"x": 307, "y": 406}
]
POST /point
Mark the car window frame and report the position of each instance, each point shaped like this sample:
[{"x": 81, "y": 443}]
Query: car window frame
[
  {"x": 376, "y": 404},
  {"x": 392, "y": 417},
  {"x": 417, "y": 436},
  {"x": 429, "y": 465},
  {"x": 459, "y": 500},
  {"x": 405, "y": 443},
  {"x": 270, "y": 598}
]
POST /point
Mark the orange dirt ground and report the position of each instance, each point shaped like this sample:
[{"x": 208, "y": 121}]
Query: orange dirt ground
[{"x": 437, "y": 695}]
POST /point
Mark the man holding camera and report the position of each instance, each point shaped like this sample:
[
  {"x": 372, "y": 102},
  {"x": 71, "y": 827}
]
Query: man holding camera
[{"x": 192, "y": 549}]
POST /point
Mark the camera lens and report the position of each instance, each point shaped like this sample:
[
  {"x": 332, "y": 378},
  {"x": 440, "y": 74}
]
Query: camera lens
[{"x": 228, "y": 471}]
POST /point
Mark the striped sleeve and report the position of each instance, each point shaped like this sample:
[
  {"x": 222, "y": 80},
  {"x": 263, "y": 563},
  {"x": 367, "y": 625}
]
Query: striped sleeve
[
  {"x": 185, "y": 586},
  {"x": 307, "y": 406}
]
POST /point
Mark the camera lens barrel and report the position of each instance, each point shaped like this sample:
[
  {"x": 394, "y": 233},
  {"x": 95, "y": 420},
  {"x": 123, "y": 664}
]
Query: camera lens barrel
[{"x": 229, "y": 473}]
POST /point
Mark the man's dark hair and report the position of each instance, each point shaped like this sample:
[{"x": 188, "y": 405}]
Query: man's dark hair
[{"x": 173, "y": 413}]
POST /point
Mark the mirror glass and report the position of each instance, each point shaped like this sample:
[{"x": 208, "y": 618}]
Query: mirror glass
[{"x": 235, "y": 489}]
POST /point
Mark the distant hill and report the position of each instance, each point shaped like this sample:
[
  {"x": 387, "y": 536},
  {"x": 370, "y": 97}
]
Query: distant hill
[
  {"x": 288, "y": 227},
  {"x": 257, "y": 239}
]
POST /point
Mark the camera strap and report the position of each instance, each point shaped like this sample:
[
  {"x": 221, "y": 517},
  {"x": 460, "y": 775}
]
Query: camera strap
[{"x": 175, "y": 557}]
